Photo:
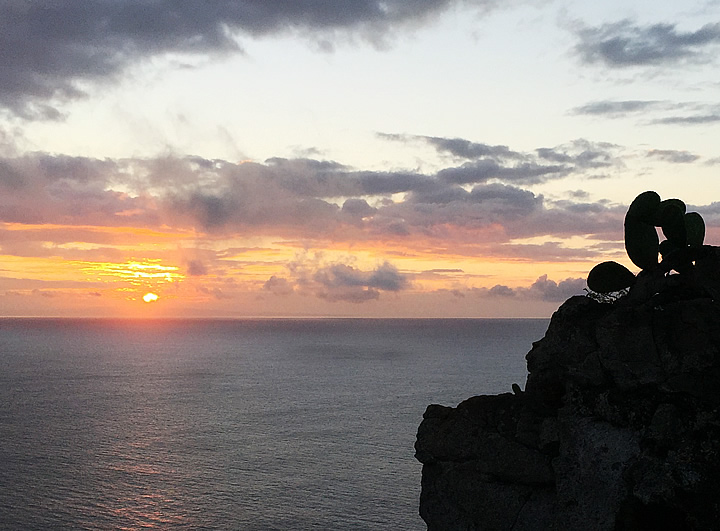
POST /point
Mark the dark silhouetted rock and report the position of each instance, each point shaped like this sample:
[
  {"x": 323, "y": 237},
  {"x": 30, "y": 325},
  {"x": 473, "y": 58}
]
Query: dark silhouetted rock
[{"x": 618, "y": 427}]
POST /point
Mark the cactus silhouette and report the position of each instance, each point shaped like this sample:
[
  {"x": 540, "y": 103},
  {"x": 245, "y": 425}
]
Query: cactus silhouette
[{"x": 684, "y": 233}]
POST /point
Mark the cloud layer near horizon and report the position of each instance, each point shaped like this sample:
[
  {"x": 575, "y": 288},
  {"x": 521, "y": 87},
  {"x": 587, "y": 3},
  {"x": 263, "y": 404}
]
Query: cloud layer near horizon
[
  {"x": 70, "y": 208},
  {"x": 309, "y": 198}
]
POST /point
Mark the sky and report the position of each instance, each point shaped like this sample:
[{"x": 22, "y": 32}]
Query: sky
[{"x": 345, "y": 158}]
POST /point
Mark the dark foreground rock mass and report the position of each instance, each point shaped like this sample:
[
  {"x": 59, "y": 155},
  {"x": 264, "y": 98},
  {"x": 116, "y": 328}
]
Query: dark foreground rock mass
[{"x": 618, "y": 427}]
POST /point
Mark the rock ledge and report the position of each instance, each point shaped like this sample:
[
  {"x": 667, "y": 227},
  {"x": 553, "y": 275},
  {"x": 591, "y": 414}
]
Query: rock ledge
[{"x": 618, "y": 427}]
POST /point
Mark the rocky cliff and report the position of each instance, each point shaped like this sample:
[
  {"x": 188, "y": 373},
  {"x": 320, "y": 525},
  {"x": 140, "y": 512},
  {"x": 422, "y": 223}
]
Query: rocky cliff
[{"x": 618, "y": 427}]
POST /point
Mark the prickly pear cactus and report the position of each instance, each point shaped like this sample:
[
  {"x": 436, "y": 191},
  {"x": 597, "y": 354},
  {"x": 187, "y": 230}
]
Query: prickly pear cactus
[
  {"x": 608, "y": 277},
  {"x": 641, "y": 238},
  {"x": 684, "y": 233}
]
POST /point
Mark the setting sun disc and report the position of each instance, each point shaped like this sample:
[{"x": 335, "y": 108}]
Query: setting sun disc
[{"x": 150, "y": 297}]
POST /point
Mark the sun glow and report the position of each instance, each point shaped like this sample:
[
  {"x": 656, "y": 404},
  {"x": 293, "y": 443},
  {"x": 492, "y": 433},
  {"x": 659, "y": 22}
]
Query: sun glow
[
  {"x": 135, "y": 271},
  {"x": 150, "y": 297}
]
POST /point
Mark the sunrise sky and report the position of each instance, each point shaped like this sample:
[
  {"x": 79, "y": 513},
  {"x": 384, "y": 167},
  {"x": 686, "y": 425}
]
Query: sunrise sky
[{"x": 397, "y": 158}]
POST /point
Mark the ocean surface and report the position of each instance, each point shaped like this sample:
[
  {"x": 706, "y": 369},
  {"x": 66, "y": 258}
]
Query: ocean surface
[{"x": 233, "y": 424}]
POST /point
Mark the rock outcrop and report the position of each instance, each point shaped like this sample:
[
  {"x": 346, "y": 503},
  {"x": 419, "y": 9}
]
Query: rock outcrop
[{"x": 618, "y": 427}]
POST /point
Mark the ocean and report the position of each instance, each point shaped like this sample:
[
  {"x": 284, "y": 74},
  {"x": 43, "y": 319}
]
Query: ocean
[{"x": 286, "y": 424}]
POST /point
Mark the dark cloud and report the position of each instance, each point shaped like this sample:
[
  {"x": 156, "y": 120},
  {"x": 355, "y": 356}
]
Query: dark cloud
[
  {"x": 386, "y": 277},
  {"x": 196, "y": 268},
  {"x": 494, "y": 162},
  {"x": 625, "y": 44},
  {"x": 383, "y": 183},
  {"x": 549, "y": 290},
  {"x": 617, "y": 109},
  {"x": 487, "y": 162},
  {"x": 542, "y": 289},
  {"x": 305, "y": 200},
  {"x": 358, "y": 208},
  {"x": 459, "y": 147},
  {"x": 582, "y": 154},
  {"x": 51, "y": 49},
  {"x": 44, "y": 188},
  {"x": 484, "y": 170},
  {"x": 710, "y": 213},
  {"x": 695, "y": 119},
  {"x": 307, "y": 177},
  {"x": 292, "y": 198},
  {"x": 673, "y": 156},
  {"x": 441, "y": 193},
  {"x": 211, "y": 211},
  {"x": 500, "y": 290},
  {"x": 338, "y": 281},
  {"x": 578, "y": 194},
  {"x": 484, "y": 206},
  {"x": 508, "y": 199},
  {"x": 278, "y": 286},
  {"x": 311, "y": 275},
  {"x": 692, "y": 113}
]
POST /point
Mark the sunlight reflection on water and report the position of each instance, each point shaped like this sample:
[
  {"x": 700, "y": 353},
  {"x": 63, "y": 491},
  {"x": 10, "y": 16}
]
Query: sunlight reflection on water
[{"x": 233, "y": 424}]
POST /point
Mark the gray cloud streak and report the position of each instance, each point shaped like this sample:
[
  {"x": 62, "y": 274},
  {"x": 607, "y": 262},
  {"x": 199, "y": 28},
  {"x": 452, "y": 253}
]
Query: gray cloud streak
[
  {"x": 693, "y": 113},
  {"x": 625, "y": 44},
  {"x": 543, "y": 289},
  {"x": 673, "y": 156},
  {"x": 615, "y": 109}
]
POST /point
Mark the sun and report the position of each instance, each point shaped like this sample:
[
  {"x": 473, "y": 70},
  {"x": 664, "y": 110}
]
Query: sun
[{"x": 150, "y": 297}]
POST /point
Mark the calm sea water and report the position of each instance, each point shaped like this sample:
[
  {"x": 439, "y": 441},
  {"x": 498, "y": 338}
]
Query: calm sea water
[{"x": 231, "y": 424}]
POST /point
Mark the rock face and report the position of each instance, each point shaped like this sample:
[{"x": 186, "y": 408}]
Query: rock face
[{"x": 618, "y": 427}]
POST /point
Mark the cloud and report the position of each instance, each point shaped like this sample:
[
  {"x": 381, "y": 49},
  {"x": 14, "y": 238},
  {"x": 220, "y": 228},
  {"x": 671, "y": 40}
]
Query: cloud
[
  {"x": 278, "y": 286},
  {"x": 549, "y": 290},
  {"x": 616, "y": 109},
  {"x": 582, "y": 154},
  {"x": 459, "y": 147},
  {"x": 625, "y": 44},
  {"x": 357, "y": 209},
  {"x": 487, "y": 162},
  {"x": 500, "y": 290},
  {"x": 297, "y": 199},
  {"x": 692, "y": 113},
  {"x": 385, "y": 277},
  {"x": 52, "y": 50},
  {"x": 694, "y": 119},
  {"x": 44, "y": 188},
  {"x": 376, "y": 183},
  {"x": 542, "y": 289},
  {"x": 338, "y": 281},
  {"x": 673, "y": 156},
  {"x": 484, "y": 170},
  {"x": 196, "y": 268}
]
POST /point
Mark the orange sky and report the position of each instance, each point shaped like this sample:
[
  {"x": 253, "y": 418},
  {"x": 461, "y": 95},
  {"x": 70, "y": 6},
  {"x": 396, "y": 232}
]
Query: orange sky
[{"x": 94, "y": 270}]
